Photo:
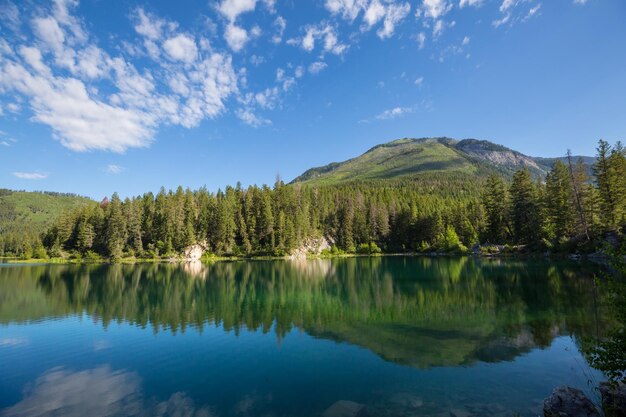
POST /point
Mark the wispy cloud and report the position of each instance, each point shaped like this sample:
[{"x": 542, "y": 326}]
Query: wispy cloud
[
  {"x": 323, "y": 34},
  {"x": 115, "y": 169},
  {"x": 248, "y": 117},
  {"x": 317, "y": 67},
  {"x": 374, "y": 12},
  {"x": 30, "y": 175},
  {"x": 394, "y": 113},
  {"x": 511, "y": 15}
]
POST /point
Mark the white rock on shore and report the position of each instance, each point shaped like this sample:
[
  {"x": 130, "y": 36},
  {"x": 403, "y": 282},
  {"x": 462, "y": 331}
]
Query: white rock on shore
[{"x": 313, "y": 246}]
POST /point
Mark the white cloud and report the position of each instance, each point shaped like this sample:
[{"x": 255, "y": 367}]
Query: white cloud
[
  {"x": 499, "y": 22},
  {"x": 249, "y": 118},
  {"x": 233, "y": 8},
  {"x": 580, "y": 1},
  {"x": 181, "y": 48},
  {"x": 438, "y": 28},
  {"x": 30, "y": 175},
  {"x": 394, "y": 113},
  {"x": 348, "y": 9},
  {"x": 317, "y": 67},
  {"x": 80, "y": 122},
  {"x": 5, "y": 143},
  {"x": 267, "y": 98},
  {"x": 324, "y": 32},
  {"x": 49, "y": 32},
  {"x": 435, "y": 9},
  {"x": 421, "y": 40},
  {"x": 394, "y": 14},
  {"x": 507, "y": 4},
  {"x": 32, "y": 56},
  {"x": 390, "y": 12},
  {"x": 236, "y": 37},
  {"x": 419, "y": 81},
  {"x": 114, "y": 169},
  {"x": 299, "y": 72},
  {"x": 280, "y": 24},
  {"x": 256, "y": 60},
  {"x": 270, "y": 5},
  {"x": 510, "y": 16},
  {"x": 10, "y": 16},
  {"x": 475, "y": 3},
  {"x": 148, "y": 25},
  {"x": 54, "y": 75},
  {"x": 533, "y": 11},
  {"x": 466, "y": 41},
  {"x": 375, "y": 11}
]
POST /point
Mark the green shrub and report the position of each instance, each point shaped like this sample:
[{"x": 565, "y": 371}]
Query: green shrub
[
  {"x": 92, "y": 256},
  {"x": 374, "y": 249},
  {"x": 363, "y": 249},
  {"x": 40, "y": 253}
]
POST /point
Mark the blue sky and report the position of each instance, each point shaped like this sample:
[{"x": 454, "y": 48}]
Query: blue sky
[{"x": 103, "y": 96}]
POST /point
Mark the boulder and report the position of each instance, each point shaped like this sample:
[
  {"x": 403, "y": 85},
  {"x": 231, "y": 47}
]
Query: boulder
[
  {"x": 406, "y": 400},
  {"x": 458, "y": 412},
  {"x": 313, "y": 246},
  {"x": 613, "y": 399},
  {"x": 568, "y": 402},
  {"x": 345, "y": 408},
  {"x": 194, "y": 252}
]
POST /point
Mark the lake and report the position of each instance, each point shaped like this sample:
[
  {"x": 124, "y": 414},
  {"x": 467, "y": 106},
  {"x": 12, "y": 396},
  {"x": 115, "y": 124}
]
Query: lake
[{"x": 404, "y": 336}]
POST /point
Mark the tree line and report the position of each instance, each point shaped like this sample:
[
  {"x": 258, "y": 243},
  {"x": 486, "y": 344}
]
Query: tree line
[{"x": 567, "y": 211}]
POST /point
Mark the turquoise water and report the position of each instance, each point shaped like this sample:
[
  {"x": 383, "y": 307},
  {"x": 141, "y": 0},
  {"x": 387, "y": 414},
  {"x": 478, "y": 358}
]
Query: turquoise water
[{"x": 404, "y": 336}]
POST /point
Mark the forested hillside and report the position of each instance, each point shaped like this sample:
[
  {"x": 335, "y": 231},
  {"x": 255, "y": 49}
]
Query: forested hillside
[
  {"x": 568, "y": 212},
  {"x": 25, "y": 216}
]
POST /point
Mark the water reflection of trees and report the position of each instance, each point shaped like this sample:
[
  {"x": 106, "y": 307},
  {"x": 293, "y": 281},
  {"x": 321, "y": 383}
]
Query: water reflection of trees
[{"x": 418, "y": 311}]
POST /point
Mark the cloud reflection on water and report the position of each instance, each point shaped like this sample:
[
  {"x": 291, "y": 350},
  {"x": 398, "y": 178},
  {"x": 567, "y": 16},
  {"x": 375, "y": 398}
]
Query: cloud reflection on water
[{"x": 97, "y": 392}]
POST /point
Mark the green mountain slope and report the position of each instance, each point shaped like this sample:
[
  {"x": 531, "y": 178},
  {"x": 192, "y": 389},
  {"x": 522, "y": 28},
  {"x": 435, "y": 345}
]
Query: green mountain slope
[
  {"x": 24, "y": 215},
  {"x": 414, "y": 158}
]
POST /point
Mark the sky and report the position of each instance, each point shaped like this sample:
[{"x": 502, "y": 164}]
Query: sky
[{"x": 127, "y": 96}]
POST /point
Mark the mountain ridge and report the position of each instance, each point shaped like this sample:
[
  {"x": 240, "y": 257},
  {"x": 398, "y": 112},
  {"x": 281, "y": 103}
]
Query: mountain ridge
[{"x": 408, "y": 158}]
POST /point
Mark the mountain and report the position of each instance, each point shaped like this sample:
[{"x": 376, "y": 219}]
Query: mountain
[{"x": 413, "y": 158}]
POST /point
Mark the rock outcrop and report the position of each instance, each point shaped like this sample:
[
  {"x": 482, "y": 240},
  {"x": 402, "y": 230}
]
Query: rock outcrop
[
  {"x": 345, "y": 408},
  {"x": 194, "y": 252},
  {"x": 613, "y": 399},
  {"x": 313, "y": 246},
  {"x": 568, "y": 402}
]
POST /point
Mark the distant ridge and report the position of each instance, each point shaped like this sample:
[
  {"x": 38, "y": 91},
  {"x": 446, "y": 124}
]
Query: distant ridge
[{"x": 415, "y": 157}]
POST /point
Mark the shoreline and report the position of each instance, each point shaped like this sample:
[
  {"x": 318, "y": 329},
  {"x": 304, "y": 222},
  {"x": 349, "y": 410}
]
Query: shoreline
[{"x": 212, "y": 259}]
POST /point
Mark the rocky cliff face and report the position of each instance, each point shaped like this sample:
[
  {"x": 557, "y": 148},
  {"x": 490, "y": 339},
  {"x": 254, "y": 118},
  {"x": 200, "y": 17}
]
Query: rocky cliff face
[
  {"x": 194, "y": 252},
  {"x": 495, "y": 154},
  {"x": 313, "y": 246}
]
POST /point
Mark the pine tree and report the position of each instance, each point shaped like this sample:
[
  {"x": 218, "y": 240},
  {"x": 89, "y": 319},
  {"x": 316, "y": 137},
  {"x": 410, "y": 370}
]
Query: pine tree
[
  {"x": 495, "y": 201},
  {"x": 578, "y": 178},
  {"x": 606, "y": 181},
  {"x": 525, "y": 209},
  {"x": 559, "y": 199},
  {"x": 115, "y": 228}
]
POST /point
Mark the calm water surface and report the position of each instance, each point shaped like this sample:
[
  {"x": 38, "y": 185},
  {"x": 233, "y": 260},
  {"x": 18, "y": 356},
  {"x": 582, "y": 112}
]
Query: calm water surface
[{"x": 405, "y": 336}]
